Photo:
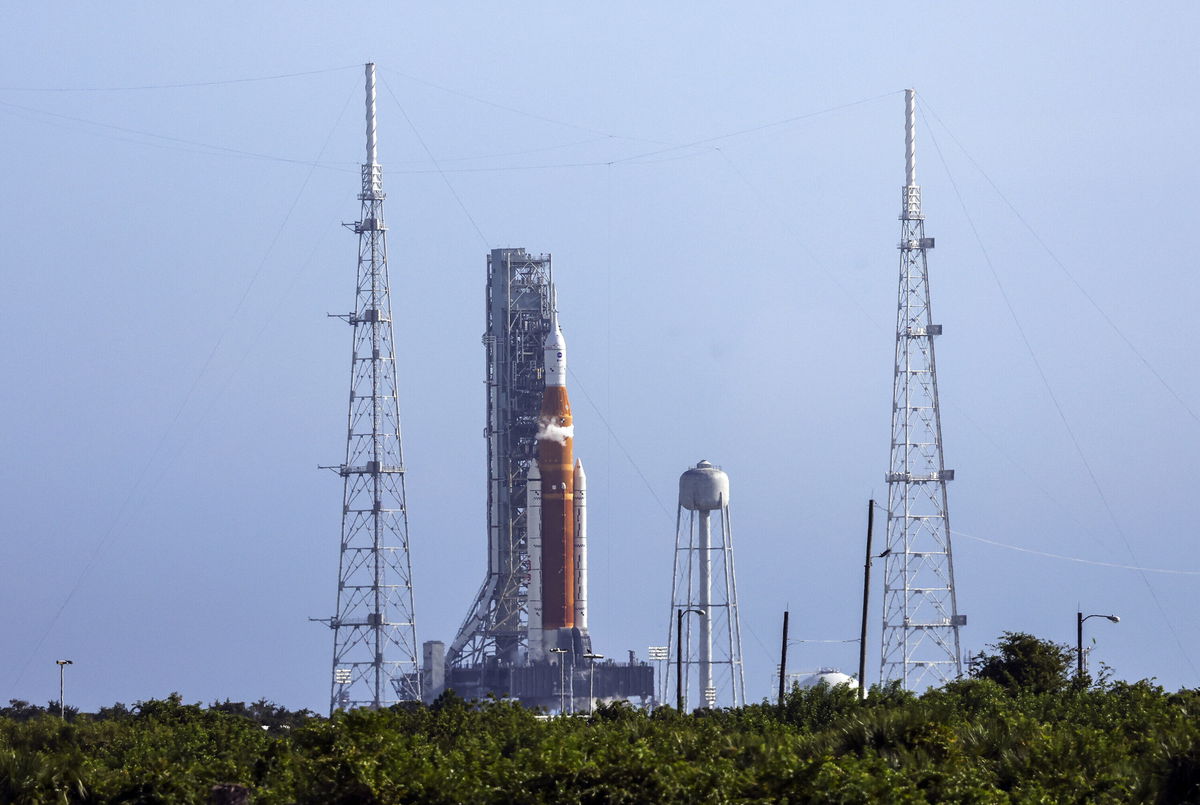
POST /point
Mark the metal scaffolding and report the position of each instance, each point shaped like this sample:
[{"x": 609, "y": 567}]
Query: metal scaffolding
[
  {"x": 920, "y": 610},
  {"x": 518, "y": 308}
]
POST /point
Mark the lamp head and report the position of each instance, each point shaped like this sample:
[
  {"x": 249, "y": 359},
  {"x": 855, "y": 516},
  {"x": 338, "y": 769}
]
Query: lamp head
[{"x": 1114, "y": 618}]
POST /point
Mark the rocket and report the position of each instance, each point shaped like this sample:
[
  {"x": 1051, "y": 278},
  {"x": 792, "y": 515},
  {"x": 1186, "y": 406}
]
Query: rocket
[{"x": 556, "y": 512}]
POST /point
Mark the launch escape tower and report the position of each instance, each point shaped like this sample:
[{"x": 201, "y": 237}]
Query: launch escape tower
[
  {"x": 711, "y": 609},
  {"x": 518, "y": 316},
  {"x": 920, "y": 612},
  {"x": 374, "y": 630}
]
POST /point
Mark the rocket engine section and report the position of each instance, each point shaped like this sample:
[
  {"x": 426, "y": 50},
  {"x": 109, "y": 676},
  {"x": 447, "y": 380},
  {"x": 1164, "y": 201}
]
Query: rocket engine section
[{"x": 557, "y": 513}]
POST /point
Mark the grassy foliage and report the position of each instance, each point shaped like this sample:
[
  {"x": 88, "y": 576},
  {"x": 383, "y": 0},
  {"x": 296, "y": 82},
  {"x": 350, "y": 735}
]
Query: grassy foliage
[{"x": 973, "y": 741}]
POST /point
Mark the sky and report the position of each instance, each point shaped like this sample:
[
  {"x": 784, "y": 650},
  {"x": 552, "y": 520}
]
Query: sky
[{"x": 719, "y": 188}]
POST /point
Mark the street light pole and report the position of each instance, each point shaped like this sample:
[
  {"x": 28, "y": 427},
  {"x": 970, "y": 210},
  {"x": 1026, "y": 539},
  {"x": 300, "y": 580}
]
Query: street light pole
[
  {"x": 592, "y": 682},
  {"x": 679, "y": 654},
  {"x": 62, "y": 664},
  {"x": 562, "y": 680},
  {"x": 1079, "y": 619},
  {"x": 783, "y": 660}
]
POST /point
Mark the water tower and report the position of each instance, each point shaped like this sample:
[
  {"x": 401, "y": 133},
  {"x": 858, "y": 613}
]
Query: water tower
[{"x": 704, "y": 589}]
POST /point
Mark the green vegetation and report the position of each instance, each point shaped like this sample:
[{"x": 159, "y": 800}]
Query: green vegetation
[
  {"x": 1012, "y": 737},
  {"x": 1023, "y": 662}
]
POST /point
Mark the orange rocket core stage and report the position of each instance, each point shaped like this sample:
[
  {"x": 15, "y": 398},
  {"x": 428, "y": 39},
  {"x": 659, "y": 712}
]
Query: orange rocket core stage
[{"x": 556, "y": 463}]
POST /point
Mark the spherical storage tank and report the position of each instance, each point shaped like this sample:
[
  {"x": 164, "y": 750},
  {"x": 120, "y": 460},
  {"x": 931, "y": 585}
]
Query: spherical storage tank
[
  {"x": 703, "y": 488},
  {"x": 828, "y": 676}
]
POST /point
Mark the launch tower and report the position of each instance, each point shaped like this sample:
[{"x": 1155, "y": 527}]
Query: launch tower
[
  {"x": 525, "y": 636},
  {"x": 374, "y": 630},
  {"x": 920, "y": 611},
  {"x": 518, "y": 319}
]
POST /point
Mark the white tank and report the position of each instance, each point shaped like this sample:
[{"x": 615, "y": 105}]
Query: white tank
[
  {"x": 831, "y": 677},
  {"x": 703, "y": 488}
]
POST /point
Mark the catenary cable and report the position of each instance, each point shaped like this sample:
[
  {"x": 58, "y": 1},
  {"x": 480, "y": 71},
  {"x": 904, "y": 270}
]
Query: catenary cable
[
  {"x": 1078, "y": 559},
  {"x": 433, "y": 159},
  {"x": 110, "y": 533},
  {"x": 1058, "y": 407},
  {"x": 184, "y": 85},
  {"x": 1062, "y": 267},
  {"x": 521, "y": 112}
]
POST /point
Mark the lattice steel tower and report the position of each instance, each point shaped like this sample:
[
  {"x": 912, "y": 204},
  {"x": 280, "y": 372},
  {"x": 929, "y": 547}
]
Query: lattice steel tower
[
  {"x": 517, "y": 309},
  {"x": 374, "y": 631},
  {"x": 920, "y": 612}
]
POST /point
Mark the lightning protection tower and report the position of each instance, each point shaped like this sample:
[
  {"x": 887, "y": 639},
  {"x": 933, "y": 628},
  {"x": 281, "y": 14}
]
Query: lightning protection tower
[
  {"x": 920, "y": 611},
  {"x": 517, "y": 308},
  {"x": 704, "y": 590},
  {"x": 374, "y": 631}
]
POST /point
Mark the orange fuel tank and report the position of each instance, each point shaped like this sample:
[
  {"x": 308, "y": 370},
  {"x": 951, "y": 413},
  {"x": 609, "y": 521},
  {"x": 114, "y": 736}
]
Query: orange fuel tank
[{"x": 556, "y": 463}]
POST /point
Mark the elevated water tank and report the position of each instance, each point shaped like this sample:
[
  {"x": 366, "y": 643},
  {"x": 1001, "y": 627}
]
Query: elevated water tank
[{"x": 703, "y": 488}]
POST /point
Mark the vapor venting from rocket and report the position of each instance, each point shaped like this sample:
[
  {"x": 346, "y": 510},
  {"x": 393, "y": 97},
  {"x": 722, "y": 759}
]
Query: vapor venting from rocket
[
  {"x": 558, "y": 585},
  {"x": 553, "y": 432}
]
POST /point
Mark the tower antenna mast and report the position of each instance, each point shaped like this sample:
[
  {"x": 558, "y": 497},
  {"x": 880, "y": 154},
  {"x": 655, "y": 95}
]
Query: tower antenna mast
[
  {"x": 920, "y": 610},
  {"x": 374, "y": 631}
]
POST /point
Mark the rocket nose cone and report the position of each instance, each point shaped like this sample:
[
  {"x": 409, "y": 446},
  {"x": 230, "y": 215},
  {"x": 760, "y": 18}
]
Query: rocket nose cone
[{"x": 554, "y": 339}]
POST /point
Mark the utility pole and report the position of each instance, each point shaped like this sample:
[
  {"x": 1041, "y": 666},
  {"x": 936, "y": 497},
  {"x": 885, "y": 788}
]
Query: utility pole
[
  {"x": 862, "y": 638},
  {"x": 62, "y": 708},
  {"x": 783, "y": 659}
]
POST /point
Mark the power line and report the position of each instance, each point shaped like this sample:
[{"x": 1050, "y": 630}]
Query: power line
[
  {"x": 1058, "y": 407},
  {"x": 1078, "y": 559},
  {"x": 1062, "y": 267},
  {"x": 521, "y": 112},
  {"x": 433, "y": 159},
  {"x": 224, "y": 150},
  {"x": 111, "y": 532},
  {"x": 620, "y": 444},
  {"x": 800, "y": 242},
  {"x": 185, "y": 85},
  {"x": 762, "y": 127}
]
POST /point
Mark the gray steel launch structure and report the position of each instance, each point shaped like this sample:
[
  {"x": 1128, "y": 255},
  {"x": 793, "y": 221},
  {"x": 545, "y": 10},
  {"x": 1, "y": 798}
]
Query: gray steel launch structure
[
  {"x": 492, "y": 652},
  {"x": 518, "y": 319}
]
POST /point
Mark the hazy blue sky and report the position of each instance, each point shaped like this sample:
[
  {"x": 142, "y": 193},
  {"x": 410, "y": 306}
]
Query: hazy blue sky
[{"x": 171, "y": 381}]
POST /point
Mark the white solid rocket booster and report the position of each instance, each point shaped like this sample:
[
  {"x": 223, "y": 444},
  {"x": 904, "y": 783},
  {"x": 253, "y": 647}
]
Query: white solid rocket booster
[
  {"x": 581, "y": 578},
  {"x": 533, "y": 520}
]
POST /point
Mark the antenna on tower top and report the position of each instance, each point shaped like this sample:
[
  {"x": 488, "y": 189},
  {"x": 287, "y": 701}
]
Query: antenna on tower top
[
  {"x": 910, "y": 136},
  {"x": 371, "y": 141},
  {"x": 910, "y": 204}
]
